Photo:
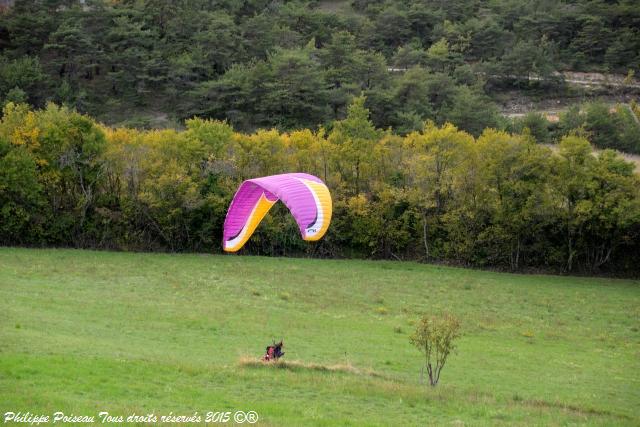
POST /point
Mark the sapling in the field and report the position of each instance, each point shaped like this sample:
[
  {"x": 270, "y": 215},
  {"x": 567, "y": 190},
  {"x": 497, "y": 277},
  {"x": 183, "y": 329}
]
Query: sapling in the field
[{"x": 435, "y": 336}]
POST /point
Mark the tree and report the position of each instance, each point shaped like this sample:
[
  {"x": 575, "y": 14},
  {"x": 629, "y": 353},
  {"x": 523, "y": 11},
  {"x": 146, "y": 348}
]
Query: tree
[
  {"x": 218, "y": 39},
  {"x": 215, "y": 135},
  {"x": 574, "y": 178},
  {"x": 29, "y": 24},
  {"x": 590, "y": 44},
  {"x": 441, "y": 58},
  {"x": 73, "y": 146},
  {"x": 435, "y": 337},
  {"x": 536, "y": 125},
  {"x": 345, "y": 69},
  {"x": 487, "y": 38},
  {"x": 261, "y": 35},
  {"x": 354, "y": 137},
  {"x": 128, "y": 49},
  {"x": 612, "y": 212},
  {"x": 228, "y": 97},
  {"x": 389, "y": 31},
  {"x": 20, "y": 195},
  {"x": 67, "y": 149},
  {"x": 515, "y": 174},
  {"x": 72, "y": 51},
  {"x": 410, "y": 55},
  {"x": 411, "y": 101},
  {"x": 530, "y": 62},
  {"x": 471, "y": 110},
  {"x": 23, "y": 74},
  {"x": 623, "y": 53},
  {"x": 438, "y": 155},
  {"x": 602, "y": 125},
  {"x": 295, "y": 89}
]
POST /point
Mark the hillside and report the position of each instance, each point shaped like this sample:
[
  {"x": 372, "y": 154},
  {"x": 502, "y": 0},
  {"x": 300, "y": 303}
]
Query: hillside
[
  {"x": 86, "y": 331},
  {"x": 289, "y": 65}
]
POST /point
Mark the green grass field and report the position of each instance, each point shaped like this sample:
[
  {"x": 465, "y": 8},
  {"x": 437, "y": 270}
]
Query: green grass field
[{"x": 83, "y": 332}]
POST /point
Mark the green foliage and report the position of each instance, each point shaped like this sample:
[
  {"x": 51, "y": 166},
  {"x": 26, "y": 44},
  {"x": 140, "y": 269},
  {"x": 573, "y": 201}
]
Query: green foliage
[
  {"x": 435, "y": 337},
  {"x": 437, "y": 194},
  {"x": 471, "y": 110},
  {"x": 20, "y": 195},
  {"x": 616, "y": 128},
  {"x": 536, "y": 125},
  {"x": 294, "y": 92},
  {"x": 530, "y": 58},
  {"x": 19, "y": 78},
  {"x": 441, "y": 58},
  {"x": 354, "y": 138},
  {"x": 292, "y": 65},
  {"x": 215, "y": 135},
  {"x": 521, "y": 200},
  {"x": 16, "y": 96},
  {"x": 595, "y": 194}
]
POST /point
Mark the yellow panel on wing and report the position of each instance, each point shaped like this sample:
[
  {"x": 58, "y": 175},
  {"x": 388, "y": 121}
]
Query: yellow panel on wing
[
  {"x": 259, "y": 211},
  {"x": 322, "y": 198}
]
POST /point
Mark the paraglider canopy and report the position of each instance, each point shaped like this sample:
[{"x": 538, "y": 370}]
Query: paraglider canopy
[{"x": 305, "y": 195}]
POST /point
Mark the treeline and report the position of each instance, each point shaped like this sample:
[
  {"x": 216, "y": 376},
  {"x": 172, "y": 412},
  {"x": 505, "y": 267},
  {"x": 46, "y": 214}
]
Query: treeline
[
  {"x": 438, "y": 194},
  {"x": 296, "y": 64},
  {"x": 604, "y": 126}
]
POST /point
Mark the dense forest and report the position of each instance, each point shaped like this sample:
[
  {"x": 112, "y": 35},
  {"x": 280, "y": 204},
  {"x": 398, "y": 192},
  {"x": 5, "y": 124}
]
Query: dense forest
[
  {"x": 390, "y": 102},
  {"x": 438, "y": 194},
  {"x": 298, "y": 64}
]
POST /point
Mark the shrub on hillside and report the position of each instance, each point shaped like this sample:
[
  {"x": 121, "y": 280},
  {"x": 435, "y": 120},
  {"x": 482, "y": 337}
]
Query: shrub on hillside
[{"x": 435, "y": 337}]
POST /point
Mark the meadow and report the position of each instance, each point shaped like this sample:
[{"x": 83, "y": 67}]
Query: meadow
[{"x": 87, "y": 331}]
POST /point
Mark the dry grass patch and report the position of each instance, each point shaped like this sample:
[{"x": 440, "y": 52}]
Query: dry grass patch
[{"x": 296, "y": 365}]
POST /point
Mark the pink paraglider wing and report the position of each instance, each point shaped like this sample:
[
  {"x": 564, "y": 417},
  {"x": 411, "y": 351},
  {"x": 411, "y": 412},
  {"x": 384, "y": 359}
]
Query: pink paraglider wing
[{"x": 305, "y": 195}]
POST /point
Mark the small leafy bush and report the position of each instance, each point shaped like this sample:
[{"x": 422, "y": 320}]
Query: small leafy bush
[{"x": 435, "y": 337}]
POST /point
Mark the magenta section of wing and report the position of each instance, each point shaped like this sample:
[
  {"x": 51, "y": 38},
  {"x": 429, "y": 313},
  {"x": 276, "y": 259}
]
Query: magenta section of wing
[
  {"x": 293, "y": 193},
  {"x": 298, "y": 191},
  {"x": 241, "y": 207}
]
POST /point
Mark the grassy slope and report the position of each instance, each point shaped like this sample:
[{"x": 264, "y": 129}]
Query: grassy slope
[{"x": 85, "y": 331}]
